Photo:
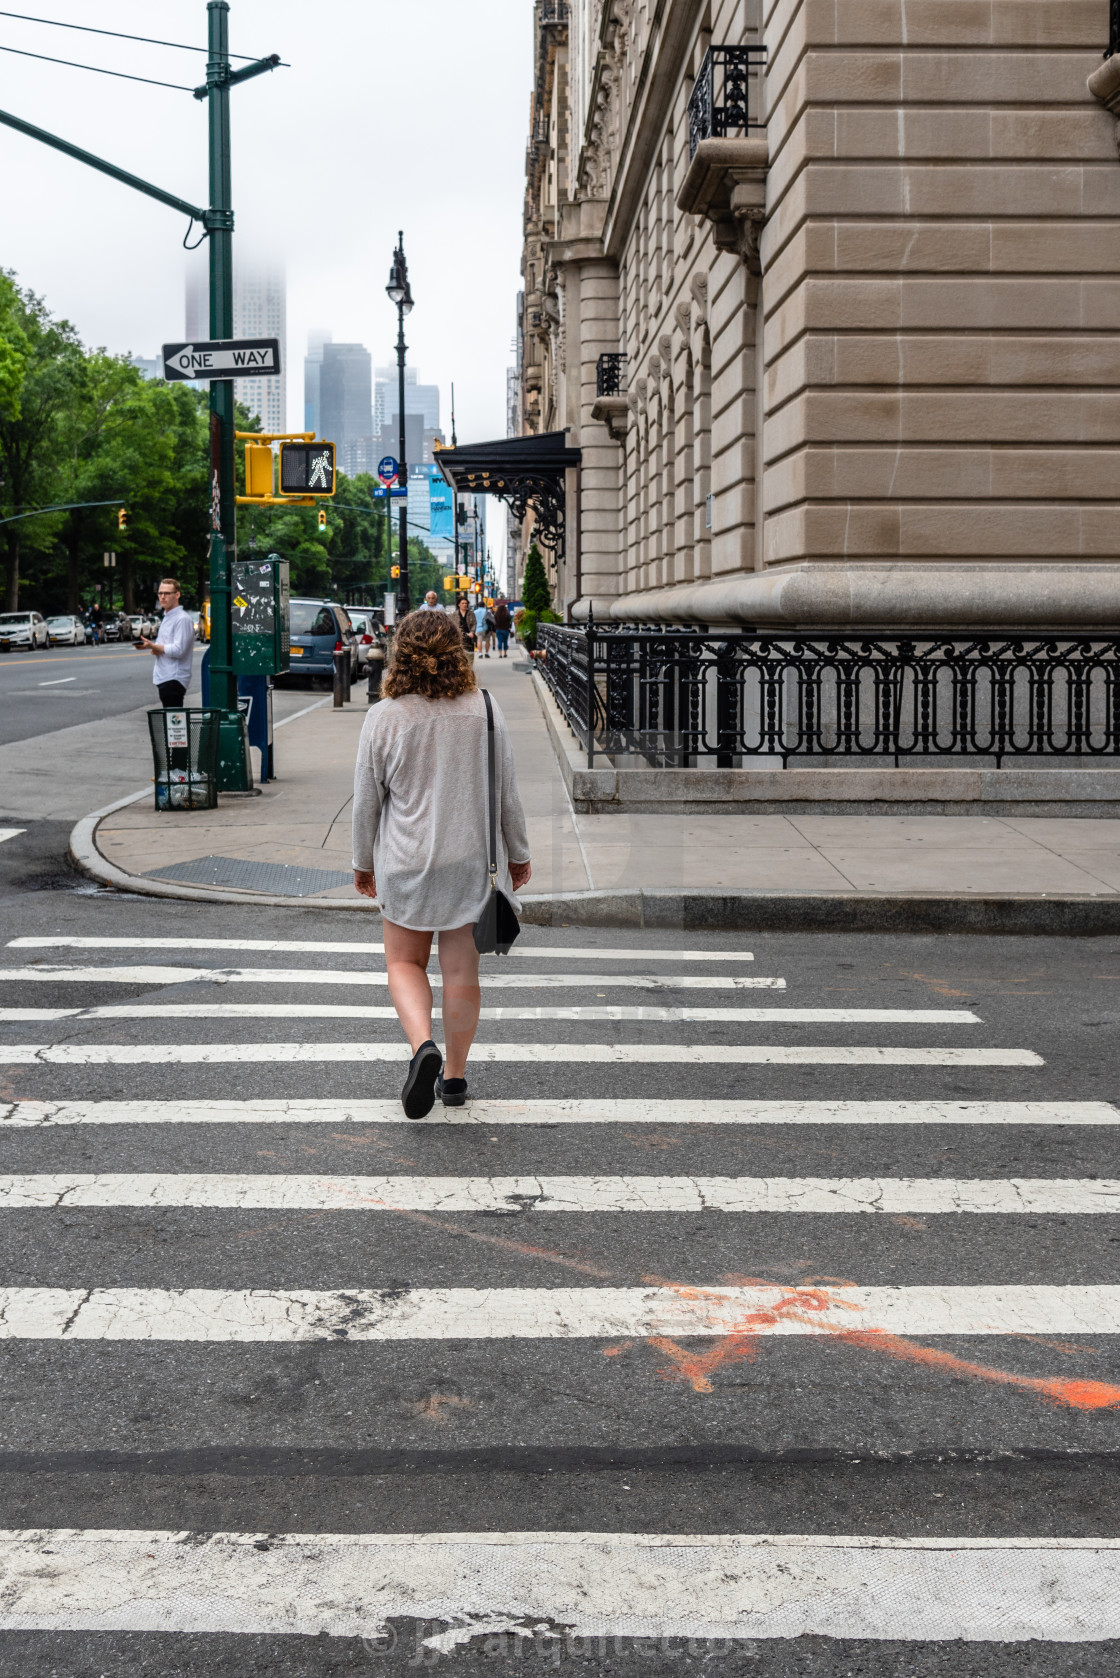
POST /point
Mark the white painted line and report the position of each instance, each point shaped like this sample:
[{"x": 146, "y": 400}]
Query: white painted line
[
  {"x": 10, "y": 833},
  {"x": 629, "y": 1054},
  {"x": 597, "y": 1011},
  {"x": 376, "y": 978},
  {"x": 24, "y": 1114},
  {"x": 462, "y": 1585},
  {"x": 57, "y": 681},
  {"x": 358, "y": 947},
  {"x": 1038, "y": 1196},
  {"x": 291, "y": 1316},
  {"x": 152, "y": 975},
  {"x": 307, "y": 709}
]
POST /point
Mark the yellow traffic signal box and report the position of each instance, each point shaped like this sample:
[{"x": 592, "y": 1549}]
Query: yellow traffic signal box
[
  {"x": 395, "y": 570},
  {"x": 307, "y": 468},
  {"x": 122, "y": 518},
  {"x": 322, "y": 518},
  {"x": 258, "y": 469}
]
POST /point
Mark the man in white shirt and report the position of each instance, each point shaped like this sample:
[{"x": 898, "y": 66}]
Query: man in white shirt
[{"x": 174, "y": 651}]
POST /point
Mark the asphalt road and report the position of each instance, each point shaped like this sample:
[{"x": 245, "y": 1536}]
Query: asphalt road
[
  {"x": 52, "y": 689},
  {"x": 933, "y": 1436}
]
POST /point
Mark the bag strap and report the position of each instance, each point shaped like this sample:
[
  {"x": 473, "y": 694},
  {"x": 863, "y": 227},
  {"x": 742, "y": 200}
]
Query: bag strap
[{"x": 491, "y": 800}]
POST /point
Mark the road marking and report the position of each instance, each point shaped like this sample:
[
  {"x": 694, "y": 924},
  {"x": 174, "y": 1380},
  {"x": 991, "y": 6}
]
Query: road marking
[
  {"x": 21, "y": 1114},
  {"x": 291, "y": 1316},
  {"x": 57, "y": 681},
  {"x": 379, "y": 979},
  {"x": 1040, "y": 1196},
  {"x": 630, "y": 1054},
  {"x": 358, "y": 947},
  {"x": 461, "y": 1585},
  {"x": 10, "y": 833},
  {"x": 293, "y": 716},
  {"x": 610, "y": 1011}
]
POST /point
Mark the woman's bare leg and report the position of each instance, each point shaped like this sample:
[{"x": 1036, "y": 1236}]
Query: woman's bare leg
[
  {"x": 406, "y": 961},
  {"x": 458, "y": 963}
]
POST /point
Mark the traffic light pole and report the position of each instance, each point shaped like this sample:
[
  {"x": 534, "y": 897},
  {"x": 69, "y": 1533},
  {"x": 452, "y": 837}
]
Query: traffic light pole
[{"x": 223, "y": 511}]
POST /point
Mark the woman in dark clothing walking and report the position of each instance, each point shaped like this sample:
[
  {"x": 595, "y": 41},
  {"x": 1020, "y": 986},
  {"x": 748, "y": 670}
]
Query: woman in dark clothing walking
[{"x": 464, "y": 619}]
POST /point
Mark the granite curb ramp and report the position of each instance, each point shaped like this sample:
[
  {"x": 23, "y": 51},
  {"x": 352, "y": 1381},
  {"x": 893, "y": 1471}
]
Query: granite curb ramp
[{"x": 694, "y": 909}]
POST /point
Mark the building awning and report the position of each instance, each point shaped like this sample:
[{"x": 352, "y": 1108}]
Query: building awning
[{"x": 523, "y": 472}]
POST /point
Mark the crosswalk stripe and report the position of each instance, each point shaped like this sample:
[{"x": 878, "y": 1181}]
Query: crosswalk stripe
[
  {"x": 292, "y": 1192},
  {"x": 31, "y": 1114},
  {"x": 379, "y": 980},
  {"x": 573, "y": 1011},
  {"x": 582, "y": 1585},
  {"x": 628, "y": 1054},
  {"x": 367, "y": 1314},
  {"x": 612, "y": 952}
]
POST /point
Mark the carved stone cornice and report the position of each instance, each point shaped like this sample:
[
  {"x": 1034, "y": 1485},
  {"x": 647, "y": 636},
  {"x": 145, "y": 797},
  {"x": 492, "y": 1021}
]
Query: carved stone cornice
[
  {"x": 726, "y": 186},
  {"x": 1104, "y": 84},
  {"x": 614, "y": 413}
]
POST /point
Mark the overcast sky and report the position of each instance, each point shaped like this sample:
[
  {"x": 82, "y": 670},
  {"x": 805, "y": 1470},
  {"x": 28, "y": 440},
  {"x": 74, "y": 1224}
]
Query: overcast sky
[{"x": 411, "y": 115}]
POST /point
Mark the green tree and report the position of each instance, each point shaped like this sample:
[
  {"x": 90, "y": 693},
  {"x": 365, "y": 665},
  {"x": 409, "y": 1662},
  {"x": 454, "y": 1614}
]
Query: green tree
[
  {"x": 40, "y": 369},
  {"x": 534, "y": 586}
]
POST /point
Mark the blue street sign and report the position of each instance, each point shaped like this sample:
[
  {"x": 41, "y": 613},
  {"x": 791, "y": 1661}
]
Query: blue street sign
[
  {"x": 388, "y": 469},
  {"x": 393, "y": 494}
]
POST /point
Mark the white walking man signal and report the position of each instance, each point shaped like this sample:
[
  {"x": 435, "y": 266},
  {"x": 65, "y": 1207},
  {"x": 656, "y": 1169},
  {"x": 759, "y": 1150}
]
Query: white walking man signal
[{"x": 320, "y": 467}]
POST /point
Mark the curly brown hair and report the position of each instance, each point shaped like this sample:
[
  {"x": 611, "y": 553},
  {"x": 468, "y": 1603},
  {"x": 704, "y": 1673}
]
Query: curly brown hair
[{"x": 428, "y": 658}]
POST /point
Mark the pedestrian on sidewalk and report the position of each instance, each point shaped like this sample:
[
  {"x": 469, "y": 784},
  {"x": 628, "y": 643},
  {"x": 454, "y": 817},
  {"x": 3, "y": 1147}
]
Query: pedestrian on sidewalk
[
  {"x": 174, "y": 651},
  {"x": 501, "y": 625},
  {"x": 430, "y": 602},
  {"x": 421, "y": 841},
  {"x": 482, "y": 626},
  {"x": 464, "y": 622}
]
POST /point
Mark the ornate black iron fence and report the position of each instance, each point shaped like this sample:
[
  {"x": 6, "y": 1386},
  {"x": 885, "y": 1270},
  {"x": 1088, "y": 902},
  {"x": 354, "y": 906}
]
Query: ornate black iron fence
[
  {"x": 610, "y": 373},
  {"x": 720, "y": 101},
  {"x": 676, "y": 697}
]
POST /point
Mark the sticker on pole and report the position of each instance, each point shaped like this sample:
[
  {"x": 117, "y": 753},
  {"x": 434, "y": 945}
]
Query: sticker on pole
[
  {"x": 222, "y": 358},
  {"x": 388, "y": 469}
]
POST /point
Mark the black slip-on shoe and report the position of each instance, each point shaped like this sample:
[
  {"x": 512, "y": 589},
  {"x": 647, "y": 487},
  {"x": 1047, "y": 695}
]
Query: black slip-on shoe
[
  {"x": 418, "y": 1096},
  {"x": 452, "y": 1091}
]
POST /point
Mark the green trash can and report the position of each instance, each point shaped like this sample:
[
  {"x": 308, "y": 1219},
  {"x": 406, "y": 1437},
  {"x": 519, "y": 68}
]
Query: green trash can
[{"x": 185, "y": 754}]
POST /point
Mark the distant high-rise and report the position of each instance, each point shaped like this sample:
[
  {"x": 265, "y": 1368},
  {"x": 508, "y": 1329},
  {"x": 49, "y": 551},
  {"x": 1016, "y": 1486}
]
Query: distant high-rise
[
  {"x": 418, "y": 398},
  {"x": 259, "y": 311},
  {"x": 346, "y": 400},
  {"x": 312, "y": 368}
]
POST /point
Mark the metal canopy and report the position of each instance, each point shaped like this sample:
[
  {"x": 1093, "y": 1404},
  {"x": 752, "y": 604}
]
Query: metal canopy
[{"x": 523, "y": 472}]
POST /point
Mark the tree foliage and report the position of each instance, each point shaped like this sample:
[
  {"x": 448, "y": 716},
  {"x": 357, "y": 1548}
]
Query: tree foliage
[{"x": 534, "y": 586}]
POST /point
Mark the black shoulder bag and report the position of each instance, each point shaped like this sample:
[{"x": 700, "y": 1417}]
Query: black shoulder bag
[{"x": 497, "y": 926}]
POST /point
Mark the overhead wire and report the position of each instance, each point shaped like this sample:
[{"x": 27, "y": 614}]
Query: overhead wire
[
  {"x": 121, "y": 75},
  {"x": 87, "y": 29}
]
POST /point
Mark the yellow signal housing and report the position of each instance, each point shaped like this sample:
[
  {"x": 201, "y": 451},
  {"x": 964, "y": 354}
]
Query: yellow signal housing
[
  {"x": 449, "y": 583},
  {"x": 395, "y": 570},
  {"x": 322, "y": 518},
  {"x": 122, "y": 518},
  {"x": 258, "y": 470}
]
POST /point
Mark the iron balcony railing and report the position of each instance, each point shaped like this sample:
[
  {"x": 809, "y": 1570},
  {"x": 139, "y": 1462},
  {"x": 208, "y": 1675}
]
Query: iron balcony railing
[
  {"x": 674, "y": 698},
  {"x": 610, "y": 373},
  {"x": 720, "y": 102},
  {"x": 1113, "y": 28},
  {"x": 554, "y": 11}
]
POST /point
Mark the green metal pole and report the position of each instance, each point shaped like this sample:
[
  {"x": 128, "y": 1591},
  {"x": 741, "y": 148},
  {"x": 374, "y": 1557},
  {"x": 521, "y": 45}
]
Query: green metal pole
[{"x": 223, "y": 540}]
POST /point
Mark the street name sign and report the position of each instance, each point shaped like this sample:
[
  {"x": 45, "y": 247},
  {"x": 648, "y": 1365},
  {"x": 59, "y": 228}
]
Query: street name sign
[
  {"x": 393, "y": 494},
  {"x": 222, "y": 358}
]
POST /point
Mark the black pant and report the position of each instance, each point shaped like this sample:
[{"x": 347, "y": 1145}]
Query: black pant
[{"x": 171, "y": 695}]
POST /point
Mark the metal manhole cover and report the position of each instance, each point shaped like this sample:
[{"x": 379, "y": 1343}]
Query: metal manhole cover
[{"x": 278, "y": 879}]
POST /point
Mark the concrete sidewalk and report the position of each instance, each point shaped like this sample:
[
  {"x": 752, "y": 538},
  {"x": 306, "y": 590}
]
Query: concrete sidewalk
[{"x": 292, "y": 844}]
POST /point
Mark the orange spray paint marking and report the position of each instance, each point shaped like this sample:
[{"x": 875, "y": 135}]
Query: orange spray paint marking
[{"x": 1077, "y": 1395}]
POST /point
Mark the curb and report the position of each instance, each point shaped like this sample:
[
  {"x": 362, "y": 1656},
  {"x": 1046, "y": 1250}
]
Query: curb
[{"x": 692, "y": 910}]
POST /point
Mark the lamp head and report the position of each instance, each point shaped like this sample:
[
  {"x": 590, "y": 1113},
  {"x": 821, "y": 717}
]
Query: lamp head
[{"x": 398, "y": 290}]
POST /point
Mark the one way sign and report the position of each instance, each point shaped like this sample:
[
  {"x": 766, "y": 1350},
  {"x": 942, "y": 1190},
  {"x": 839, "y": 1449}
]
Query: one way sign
[{"x": 223, "y": 358}]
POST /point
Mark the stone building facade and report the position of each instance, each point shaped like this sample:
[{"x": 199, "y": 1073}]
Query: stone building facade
[{"x": 858, "y": 364}]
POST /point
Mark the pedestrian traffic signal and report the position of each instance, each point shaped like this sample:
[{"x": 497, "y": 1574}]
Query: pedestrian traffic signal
[
  {"x": 122, "y": 518},
  {"x": 307, "y": 469},
  {"x": 322, "y": 518}
]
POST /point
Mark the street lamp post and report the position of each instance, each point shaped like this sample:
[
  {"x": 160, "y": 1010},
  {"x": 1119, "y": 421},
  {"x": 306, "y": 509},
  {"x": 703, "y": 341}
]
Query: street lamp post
[{"x": 400, "y": 292}]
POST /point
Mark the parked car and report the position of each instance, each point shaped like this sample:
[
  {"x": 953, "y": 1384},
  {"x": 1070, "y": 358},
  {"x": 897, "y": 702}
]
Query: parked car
[
  {"x": 367, "y": 626},
  {"x": 316, "y": 628},
  {"x": 143, "y": 623},
  {"x": 66, "y": 631},
  {"x": 23, "y": 629},
  {"x": 116, "y": 627}
]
